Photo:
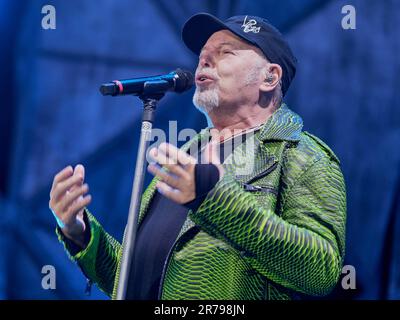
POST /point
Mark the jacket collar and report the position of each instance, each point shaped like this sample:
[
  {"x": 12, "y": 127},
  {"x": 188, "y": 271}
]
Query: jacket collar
[
  {"x": 283, "y": 124},
  {"x": 254, "y": 156}
]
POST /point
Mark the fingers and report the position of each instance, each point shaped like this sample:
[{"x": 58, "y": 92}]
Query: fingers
[
  {"x": 77, "y": 206},
  {"x": 67, "y": 200},
  {"x": 62, "y": 175},
  {"x": 164, "y": 176},
  {"x": 166, "y": 190},
  {"x": 162, "y": 151},
  {"x": 177, "y": 183},
  {"x": 73, "y": 196},
  {"x": 79, "y": 169},
  {"x": 173, "y": 159},
  {"x": 175, "y": 154},
  {"x": 160, "y": 157},
  {"x": 61, "y": 188}
]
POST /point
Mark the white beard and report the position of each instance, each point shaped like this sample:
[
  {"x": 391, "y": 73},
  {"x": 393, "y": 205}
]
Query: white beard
[{"x": 206, "y": 100}]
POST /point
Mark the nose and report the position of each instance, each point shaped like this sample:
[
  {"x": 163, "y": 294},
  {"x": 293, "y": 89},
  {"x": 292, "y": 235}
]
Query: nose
[{"x": 205, "y": 59}]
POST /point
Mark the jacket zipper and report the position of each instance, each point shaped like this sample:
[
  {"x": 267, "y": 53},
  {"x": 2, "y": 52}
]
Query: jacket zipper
[
  {"x": 251, "y": 188},
  {"x": 263, "y": 173}
]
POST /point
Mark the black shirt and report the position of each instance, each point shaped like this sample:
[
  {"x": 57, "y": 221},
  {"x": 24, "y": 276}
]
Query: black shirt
[{"x": 155, "y": 238}]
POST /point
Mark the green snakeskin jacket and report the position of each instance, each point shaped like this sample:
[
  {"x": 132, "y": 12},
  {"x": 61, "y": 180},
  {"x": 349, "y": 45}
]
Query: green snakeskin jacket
[{"x": 272, "y": 228}]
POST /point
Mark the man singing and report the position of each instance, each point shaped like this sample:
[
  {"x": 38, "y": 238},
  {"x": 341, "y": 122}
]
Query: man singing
[{"x": 262, "y": 220}]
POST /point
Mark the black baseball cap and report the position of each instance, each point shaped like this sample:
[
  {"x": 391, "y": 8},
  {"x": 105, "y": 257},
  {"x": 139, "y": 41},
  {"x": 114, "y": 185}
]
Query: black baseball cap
[{"x": 255, "y": 30}]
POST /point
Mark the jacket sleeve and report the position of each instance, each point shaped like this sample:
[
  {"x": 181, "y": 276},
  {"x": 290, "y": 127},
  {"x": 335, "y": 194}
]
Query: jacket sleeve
[
  {"x": 99, "y": 260},
  {"x": 303, "y": 248}
]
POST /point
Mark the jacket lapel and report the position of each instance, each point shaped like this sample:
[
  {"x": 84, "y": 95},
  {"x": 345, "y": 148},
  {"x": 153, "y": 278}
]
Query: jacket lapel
[{"x": 262, "y": 151}]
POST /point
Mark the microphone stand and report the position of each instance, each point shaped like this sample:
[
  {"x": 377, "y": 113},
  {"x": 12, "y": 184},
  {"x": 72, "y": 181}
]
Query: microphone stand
[{"x": 149, "y": 100}]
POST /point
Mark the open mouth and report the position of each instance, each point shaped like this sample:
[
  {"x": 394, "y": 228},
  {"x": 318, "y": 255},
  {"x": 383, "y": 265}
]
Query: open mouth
[{"x": 202, "y": 79}]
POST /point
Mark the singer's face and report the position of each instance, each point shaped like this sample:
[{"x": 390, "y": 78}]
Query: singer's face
[{"x": 229, "y": 73}]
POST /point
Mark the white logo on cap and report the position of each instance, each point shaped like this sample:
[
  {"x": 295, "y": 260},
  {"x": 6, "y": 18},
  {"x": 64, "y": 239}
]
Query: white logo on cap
[{"x": 250, "y": 26}]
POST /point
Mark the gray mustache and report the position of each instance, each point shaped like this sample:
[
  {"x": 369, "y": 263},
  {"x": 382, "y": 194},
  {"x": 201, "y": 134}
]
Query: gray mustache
[{"x": 208, "y": 72}]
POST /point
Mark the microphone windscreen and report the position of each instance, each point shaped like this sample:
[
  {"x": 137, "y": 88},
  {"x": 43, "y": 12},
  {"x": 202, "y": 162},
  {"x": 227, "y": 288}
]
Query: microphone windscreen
[{"x": 185, "y": 80}]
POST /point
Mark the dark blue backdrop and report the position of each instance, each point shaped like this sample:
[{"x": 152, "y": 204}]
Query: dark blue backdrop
[{"x": 53, "y": 115}]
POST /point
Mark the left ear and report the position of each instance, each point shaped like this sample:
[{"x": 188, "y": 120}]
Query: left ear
[{"x": 272, "y": 78}]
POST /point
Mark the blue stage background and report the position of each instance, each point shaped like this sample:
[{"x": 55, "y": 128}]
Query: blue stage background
[{"x": 52, "y": 115}]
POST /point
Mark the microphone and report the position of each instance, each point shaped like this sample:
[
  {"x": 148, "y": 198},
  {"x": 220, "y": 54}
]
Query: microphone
[{"x": 177, "y": 81}]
